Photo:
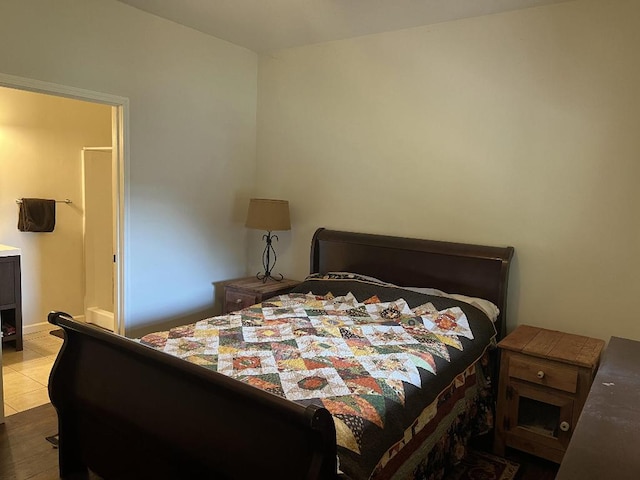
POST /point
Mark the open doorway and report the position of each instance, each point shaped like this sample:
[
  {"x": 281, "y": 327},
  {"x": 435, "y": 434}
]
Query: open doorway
[
  {"x": 22, "y": 136},
  {"x": 119, "y": 108}
]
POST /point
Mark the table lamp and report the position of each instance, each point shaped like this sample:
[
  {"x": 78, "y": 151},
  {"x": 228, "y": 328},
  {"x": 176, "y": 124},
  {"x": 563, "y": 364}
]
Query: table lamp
[{"x": 269, "y": 215}]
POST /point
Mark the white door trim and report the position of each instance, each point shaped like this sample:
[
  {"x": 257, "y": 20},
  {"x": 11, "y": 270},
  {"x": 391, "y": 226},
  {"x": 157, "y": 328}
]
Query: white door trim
[{"x": 120, "y": 125}]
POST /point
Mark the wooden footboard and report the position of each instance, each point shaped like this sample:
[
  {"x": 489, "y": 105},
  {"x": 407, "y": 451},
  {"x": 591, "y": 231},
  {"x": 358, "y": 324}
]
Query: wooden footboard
[{"x": 128, "y": 411}]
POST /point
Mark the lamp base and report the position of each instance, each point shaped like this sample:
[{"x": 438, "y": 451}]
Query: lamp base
[
  {"x": 266, "y": 260},
  {"x": 265, "y": 277}
]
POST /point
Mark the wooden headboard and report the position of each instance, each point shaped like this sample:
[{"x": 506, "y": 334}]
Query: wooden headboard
[{"x": 472, "y": 270}]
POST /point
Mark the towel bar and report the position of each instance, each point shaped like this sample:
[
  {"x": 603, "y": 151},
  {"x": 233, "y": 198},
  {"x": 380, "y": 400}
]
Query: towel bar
[{"x": 66, "y": 200}]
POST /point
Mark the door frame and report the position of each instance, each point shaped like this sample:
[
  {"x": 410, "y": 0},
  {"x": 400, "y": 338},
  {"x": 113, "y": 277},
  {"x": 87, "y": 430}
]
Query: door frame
[{"x": 120, "y": 144}]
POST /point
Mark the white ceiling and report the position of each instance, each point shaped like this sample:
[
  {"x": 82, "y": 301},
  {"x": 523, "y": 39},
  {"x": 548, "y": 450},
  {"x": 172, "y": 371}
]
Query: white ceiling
[{"x": 262, "y": 25}]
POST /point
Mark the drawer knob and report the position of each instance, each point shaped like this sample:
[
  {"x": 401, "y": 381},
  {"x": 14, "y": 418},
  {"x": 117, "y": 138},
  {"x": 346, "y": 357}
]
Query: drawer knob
[
  {"x": 540, "y": 374},
  {"x": 239, "y": 301},
  {"x": 564, "y": 426}
]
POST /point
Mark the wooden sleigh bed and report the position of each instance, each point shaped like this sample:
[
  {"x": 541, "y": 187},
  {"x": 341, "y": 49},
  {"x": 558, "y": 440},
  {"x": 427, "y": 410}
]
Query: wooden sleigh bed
[{"x": 126, "y": 410}]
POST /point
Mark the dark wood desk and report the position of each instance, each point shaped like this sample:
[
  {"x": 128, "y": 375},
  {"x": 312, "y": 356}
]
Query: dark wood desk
[{"x": 605, "y": 442}]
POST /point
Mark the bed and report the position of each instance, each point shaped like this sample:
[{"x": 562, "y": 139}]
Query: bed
[{"x": 389, "y": 394}]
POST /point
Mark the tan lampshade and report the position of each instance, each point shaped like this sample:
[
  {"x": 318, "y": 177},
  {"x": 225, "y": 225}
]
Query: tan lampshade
[{"x": 268, "y": 215}]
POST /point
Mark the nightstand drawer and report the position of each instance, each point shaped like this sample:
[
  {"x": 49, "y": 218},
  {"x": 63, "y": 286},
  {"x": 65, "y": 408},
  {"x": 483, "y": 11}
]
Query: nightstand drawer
[
  {"x": 549, "y": 374},
  {"x": 238, "y": 300},
  {"x": 244, "y": 292}
]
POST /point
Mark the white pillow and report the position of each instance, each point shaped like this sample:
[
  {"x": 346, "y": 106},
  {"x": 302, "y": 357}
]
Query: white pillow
[
  {"x": 490, "y": 309},
  {"x": 348, "y": 276}
]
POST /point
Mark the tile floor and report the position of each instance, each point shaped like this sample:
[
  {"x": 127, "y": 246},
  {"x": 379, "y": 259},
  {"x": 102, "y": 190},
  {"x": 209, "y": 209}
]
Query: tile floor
[{"x": 26, "y": 373}]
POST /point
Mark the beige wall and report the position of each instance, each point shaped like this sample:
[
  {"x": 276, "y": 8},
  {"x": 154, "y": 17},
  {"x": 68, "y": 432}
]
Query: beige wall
[
  {"x": 518, "y": 128},
  {"x": 41, "y": 139},
  {"x": 192, "y": 133},
  {"x": 512, "y": 129}
]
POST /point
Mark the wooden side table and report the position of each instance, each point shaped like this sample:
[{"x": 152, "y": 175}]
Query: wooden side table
[
  {"x": 245, "y": 292},
  {"x": 545, "y": 377}
]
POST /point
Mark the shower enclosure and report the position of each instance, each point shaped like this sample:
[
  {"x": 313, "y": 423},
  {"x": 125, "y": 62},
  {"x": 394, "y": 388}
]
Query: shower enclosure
[{"x": 99, "y": 236}]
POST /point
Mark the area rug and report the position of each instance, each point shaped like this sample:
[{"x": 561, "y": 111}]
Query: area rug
[{"x": 484, "y": 466}]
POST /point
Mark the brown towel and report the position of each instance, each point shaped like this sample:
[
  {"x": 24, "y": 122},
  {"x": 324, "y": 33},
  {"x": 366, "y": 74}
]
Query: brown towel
[{"x": 37, "y": 215}]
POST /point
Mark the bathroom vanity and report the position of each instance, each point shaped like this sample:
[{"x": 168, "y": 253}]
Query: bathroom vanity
[{"x": 10, "y": 297}]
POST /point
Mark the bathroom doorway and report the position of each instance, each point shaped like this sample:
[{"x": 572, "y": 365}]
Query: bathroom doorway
[
  {"x": 41, "y": 141},
  {"x": 119, "y": 107}
]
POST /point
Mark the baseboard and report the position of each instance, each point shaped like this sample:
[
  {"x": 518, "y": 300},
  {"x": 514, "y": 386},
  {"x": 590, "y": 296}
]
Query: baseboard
[
  {"x": 36, "y": 328},
  {"x": 44, "y": 326}
]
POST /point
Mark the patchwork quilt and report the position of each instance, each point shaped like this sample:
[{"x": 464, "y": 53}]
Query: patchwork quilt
[{"x": 376, "y": 356}]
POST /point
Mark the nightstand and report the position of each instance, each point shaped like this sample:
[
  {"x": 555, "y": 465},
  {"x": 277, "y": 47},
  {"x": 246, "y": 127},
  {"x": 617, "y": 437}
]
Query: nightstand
[
  {"x": 245, "y": 292},
  {"x": 545, "y": 376}
]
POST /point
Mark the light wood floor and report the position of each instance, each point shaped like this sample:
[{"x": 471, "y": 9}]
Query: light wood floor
[{"x": 26, "y": 373}]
